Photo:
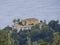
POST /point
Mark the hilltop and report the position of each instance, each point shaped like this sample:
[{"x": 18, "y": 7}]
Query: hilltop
[{"x": 47, "y": 34}]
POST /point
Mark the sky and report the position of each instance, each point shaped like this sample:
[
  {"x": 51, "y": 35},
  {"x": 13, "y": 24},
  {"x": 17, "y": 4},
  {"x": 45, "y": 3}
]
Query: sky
[{"x": 40, "y": 9}]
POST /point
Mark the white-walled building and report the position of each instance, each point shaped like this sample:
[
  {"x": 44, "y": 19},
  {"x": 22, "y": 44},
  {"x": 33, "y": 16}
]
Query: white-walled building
[{"x": 26, "y": 24}]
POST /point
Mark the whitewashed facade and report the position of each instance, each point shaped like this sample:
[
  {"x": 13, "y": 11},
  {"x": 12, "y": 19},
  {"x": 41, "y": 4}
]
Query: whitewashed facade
[{"x": 20, "y": 27}]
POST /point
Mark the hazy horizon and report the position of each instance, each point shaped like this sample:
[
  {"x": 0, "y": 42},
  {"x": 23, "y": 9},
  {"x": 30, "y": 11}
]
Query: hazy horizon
[{"x": 40, "y": 9}]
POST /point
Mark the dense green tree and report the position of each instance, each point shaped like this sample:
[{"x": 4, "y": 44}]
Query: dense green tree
[
  {"x": 14, "y": 20},
  {"x": 35, "y": 27},
  {"x": 18, "y": 20},
  {"x": 56, "y": 39},
  {"x": 7, "y": 28},
  {"x": 54, "y": 25},
  {"x": 5, "y": 38},
  {"x": 42, "y": 42}
]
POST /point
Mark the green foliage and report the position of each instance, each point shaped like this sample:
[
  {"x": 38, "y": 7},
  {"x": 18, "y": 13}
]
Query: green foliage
[
  {"x": 54, "y": 25},
  {"x": 49, "y": 35},
  {"x": 56, "y": 39},
  {"x": 35, "y": 27},
  {"x": 42, "y": 42},
  {"x": 14, "y": 20},
  {"x": 7, "y": 28},
  {"x": 20, "y": 23},
  {"x": 45, "y": 27},
  {"x": 5, "y": 38}
]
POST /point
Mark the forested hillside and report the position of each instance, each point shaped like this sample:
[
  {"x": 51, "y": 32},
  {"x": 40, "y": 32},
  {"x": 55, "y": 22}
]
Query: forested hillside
[{"x": 48, "y": 35}]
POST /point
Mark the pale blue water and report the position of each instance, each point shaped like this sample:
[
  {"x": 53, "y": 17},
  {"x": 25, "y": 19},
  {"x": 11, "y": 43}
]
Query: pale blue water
[{"x": 40, "y": 9}]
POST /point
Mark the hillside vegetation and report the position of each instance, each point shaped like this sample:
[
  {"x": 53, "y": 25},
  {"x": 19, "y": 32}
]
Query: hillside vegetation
[{"x": 48, "y": 35}]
